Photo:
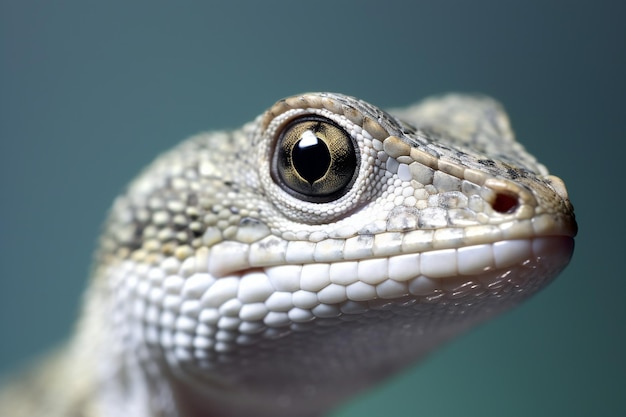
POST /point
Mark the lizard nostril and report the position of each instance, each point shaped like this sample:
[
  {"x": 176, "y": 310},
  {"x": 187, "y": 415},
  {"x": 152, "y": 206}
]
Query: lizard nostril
[{"x": 505, "y": 203}]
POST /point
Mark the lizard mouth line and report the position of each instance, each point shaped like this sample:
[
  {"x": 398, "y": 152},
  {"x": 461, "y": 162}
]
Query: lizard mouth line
[{"x": 392, "y": 277}]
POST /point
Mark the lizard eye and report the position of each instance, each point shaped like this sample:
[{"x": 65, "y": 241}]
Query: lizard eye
[{"x": 314, "y": 159}]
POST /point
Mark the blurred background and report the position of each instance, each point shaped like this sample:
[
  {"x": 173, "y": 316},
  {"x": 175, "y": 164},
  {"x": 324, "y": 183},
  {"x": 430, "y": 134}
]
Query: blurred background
[{"x": 91, "y": 92}]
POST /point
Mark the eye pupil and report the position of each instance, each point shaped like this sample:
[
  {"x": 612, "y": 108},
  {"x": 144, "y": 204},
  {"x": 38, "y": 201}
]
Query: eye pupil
[{"x": 311, "y": 157}]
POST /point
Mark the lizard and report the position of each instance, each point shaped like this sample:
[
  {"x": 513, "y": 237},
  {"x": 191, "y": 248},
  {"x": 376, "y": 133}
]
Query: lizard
[{"x": 280, "y": 268}]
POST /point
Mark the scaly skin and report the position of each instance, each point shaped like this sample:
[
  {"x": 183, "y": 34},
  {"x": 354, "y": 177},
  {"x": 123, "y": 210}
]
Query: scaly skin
[{"x": 236, "y": 277}]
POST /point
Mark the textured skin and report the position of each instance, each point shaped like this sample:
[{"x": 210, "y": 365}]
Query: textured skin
[{"x": 217, "y": 291}]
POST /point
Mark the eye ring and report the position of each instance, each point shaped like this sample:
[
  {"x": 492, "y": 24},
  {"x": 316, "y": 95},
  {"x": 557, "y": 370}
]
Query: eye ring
[{"x": 314, "y": 159}]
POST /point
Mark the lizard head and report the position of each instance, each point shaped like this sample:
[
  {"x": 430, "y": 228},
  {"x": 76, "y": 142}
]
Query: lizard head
[{"x": 326, "y": 245}]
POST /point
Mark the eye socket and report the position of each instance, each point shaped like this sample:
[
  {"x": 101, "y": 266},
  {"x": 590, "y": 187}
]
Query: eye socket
[{"x": 314, "y": 159}]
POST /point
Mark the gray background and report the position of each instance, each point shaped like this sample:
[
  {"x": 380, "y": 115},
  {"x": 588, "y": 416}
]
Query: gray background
[{"x": 90, "y": 92}]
